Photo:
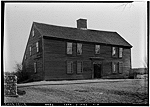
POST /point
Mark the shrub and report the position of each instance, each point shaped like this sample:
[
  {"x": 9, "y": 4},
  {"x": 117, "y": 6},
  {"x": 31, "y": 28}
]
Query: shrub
[{"x": 23, "y": 75}]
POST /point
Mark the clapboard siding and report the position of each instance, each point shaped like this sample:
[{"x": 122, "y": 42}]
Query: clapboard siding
[{"x": 55, "y": 58}]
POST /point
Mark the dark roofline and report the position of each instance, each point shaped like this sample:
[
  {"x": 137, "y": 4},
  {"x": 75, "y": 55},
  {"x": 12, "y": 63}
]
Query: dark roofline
[
  {"x": 73, "y": 27},
  {"x": 91, "y": 30}
]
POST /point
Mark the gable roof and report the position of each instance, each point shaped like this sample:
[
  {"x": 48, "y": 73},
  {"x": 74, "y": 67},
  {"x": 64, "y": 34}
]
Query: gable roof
[{"x": 104, "y": 37}]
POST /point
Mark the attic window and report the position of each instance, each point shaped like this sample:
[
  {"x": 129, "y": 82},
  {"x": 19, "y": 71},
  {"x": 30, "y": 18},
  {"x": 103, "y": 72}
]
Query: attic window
[
  {"x": 32, "y": 32},
  {"x": 37, "y": 46},
  {"x": 30, "y": 50}
]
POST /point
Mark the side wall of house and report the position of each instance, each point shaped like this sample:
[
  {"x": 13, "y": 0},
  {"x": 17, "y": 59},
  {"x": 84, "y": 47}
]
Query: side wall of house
[{"x": 35, "y": 57}]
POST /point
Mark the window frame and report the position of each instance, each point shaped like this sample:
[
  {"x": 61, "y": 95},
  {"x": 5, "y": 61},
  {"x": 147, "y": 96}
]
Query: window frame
[
  {"x": 25, "y": 57},
  {"x": 69, "y": 48},
  {"x": 37, "y": 46},
  {"x": 78, "y": 48},
  {"x": 80, "y": 68},
  {"x": 33, "y": 33},
  {"x": 35, "y": 67},
  {"x": 120, "y": 64},
  {"x": 96, "y": 49},
  {"x": 70, "y": 62},
  {"x": 120, "y": 52},
  {"x": 116, "y": 65},
  {"x": 113, "y": 51},
  {"x": 30, "y": 50}
]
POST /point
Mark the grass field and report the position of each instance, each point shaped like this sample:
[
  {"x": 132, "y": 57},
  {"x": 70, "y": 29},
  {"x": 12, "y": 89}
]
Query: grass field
[{"x": 128, "y": 91}]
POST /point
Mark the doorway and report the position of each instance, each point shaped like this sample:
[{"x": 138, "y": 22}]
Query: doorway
[{"x": 97, "y": 70}]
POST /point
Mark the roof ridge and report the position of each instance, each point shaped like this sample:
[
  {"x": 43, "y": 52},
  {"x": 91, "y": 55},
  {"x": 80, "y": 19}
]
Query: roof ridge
[
  {"x": 89, "y": 35},
  {"x": 74, "y": 27}
]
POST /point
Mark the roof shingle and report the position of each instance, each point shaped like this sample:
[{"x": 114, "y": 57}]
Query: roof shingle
[{"x": 104, "y": 37}]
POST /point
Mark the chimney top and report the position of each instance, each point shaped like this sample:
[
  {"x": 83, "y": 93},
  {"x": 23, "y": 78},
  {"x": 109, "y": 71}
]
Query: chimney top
[{"x": 82, "y": 23}]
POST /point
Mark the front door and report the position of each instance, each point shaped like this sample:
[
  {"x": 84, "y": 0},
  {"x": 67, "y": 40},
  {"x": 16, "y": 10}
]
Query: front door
[{"x": 97, "y": 70}]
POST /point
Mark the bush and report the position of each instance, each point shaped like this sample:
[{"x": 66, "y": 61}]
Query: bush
[
  {"x": 22, "y": 74},
  {"x": 132, "y": 75}
]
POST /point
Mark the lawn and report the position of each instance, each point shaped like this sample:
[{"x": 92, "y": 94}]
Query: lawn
[{"x": 128, "y": 91}]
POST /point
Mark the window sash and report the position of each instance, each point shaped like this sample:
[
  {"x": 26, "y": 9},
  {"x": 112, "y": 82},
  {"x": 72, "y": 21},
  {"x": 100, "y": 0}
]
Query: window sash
[
  {"x": 69, "y": 48},
  {"x": 30, "y": 50},
  {"x": 79, "y": 48},
  {"x": 113, "y": 51},
  {"x": 37, "y": 46},
  {"x": 35, "y": 67},
  {"x": 97, "y": 49},
  {"x": 120, "y": 52},
  {"x": 32, "y": 32},
  {"x": 115, "y": 67},
  {"x": 120, "y": 67},
  {"x": 69, "y": 67},
  {"x": 79, "y": 67}
]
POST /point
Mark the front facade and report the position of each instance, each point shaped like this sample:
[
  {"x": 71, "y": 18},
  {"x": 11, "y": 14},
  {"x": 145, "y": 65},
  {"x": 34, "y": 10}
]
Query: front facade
[{"x": 57, "y": 53}]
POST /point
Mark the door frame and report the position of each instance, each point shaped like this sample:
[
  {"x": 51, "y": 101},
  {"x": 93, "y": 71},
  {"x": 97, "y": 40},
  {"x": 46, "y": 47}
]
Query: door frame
[
  {"x": 97, "y": 62},
  {"x": 100, "y": 72}
]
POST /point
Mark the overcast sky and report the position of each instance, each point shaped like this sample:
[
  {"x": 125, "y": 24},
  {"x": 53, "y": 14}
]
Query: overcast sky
[{"x": 129, "y": 20}]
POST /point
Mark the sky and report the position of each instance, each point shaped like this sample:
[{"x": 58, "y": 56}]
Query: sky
[{"x": 128, "y": 19}]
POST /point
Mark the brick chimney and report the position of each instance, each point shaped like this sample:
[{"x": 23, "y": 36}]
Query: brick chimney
[{"x": 82, "y": 24}]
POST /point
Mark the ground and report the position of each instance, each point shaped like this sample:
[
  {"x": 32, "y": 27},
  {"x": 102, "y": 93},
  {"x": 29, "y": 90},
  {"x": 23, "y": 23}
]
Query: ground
[{"x": 121, "y": 91}]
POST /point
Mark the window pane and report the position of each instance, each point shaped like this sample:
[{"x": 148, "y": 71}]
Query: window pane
[
  {"x": 79, "y": 48},
  {"x": 69, "y": 48},
  {"x": 69, "y": 66},
  {"x": 114, "y": 68},
  {"x": 37, "y": 46},
  {"x": 79, "y": 67},
  {"x": 113, "y": 51},
  {"x": 35, "y": 69},
  {"x": 120, "y": 52},
  {"x": 120, "y": 67},
  {"x": 25, "y": 57},
  {"x": 32, "y": 32},
  {"x": 30, "y": 50},
  {"x": 97, "y": 49}
]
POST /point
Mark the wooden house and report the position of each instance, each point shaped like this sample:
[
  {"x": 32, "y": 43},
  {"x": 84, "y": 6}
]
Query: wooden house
[{"x": 59, "y": 53}]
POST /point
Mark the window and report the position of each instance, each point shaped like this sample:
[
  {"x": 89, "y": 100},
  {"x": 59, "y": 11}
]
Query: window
[
  {"x": 79, "y": 48},
  {"x": 32, "y": 32},
  {"x": 114, "y": 67},
  {"x": 79, "y": 67},
  {"x": 113, "y": 51},
  {"x": 35, "y": 67},
  {"x": 97, "y": 49},
  {"x": 30, "y": 50},
  {"x": 25, "y": 57},
  {"x": 37, "y": 46},
  {"x": 120, "y": 67},
  {"x": 69, "y": 67},
  {"x": 120, "y": 52},
  {"x": 69, "y": 48}
]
